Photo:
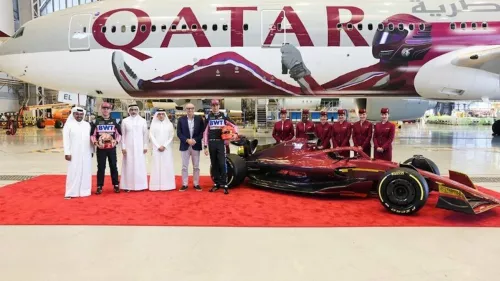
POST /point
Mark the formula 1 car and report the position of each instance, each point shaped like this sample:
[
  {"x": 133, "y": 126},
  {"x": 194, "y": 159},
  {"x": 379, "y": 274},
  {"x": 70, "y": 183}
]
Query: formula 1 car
[{"x": 403, "y": 188}]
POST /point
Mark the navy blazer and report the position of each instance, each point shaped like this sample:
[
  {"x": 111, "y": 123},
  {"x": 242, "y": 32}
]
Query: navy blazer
[{"x": 183, "y": 132}]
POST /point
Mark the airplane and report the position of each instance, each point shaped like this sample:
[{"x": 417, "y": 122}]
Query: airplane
[{"x": 401, "y": 54}]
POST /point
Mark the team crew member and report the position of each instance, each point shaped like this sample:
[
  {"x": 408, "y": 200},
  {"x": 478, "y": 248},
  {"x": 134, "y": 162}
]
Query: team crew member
[
  {"x": 105, "y": 135},
  {"x": 305, "y": 126},
  {"x": 213, "y": 143},
  {"x": 362, "y": 132},
  {"x": 383, "y": 136},
  {"x": 341, "y": 133},
  {"x": 283, "y": 129},
  {"x": 323, "y": 131}
]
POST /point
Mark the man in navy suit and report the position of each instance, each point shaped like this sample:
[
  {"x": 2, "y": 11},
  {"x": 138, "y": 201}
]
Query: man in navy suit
[{"x": 190, "y": 130}]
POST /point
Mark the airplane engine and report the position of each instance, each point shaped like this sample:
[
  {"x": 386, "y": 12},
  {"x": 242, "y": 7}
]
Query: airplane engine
[
  {"x": 400, "y": 109},
  {"x": 467, "y": 74}
]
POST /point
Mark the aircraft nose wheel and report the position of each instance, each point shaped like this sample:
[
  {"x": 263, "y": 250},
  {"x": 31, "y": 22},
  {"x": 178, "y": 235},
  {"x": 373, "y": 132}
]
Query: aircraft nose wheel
[{"x": 400, "y": 192}]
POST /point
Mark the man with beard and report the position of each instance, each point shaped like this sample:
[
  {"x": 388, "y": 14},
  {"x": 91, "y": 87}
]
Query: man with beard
[
  {"x": 323, "y": 131},
  {"x": 162, "y": 136},
  {"x": 78, "y": 152},
  {"x": 383, "y": 136},
  {"x": 283, "y": 129},
  {"x": 213, "y": 143},
  {"x": 341, "y": 133},
  {"x": 105, "y": 135},
  {"x": 362, "y": 132},
  {"x": 304, "y": 127}
]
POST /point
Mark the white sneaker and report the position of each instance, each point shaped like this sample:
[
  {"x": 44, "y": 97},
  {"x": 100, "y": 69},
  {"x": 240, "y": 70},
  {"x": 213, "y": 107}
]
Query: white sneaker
[{"x": 124, "y": 74}]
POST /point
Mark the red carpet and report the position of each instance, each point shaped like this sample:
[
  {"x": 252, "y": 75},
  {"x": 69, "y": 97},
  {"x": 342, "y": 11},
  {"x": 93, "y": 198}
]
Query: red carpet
[{"x": 40, "y": 201}]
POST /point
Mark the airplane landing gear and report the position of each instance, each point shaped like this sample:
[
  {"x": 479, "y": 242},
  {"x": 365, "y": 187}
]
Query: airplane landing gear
[{"x": 496, "y": 128}]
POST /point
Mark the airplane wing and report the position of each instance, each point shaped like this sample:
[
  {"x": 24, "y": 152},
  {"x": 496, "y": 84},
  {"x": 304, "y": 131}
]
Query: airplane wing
[{"x": 486, "y": 59}]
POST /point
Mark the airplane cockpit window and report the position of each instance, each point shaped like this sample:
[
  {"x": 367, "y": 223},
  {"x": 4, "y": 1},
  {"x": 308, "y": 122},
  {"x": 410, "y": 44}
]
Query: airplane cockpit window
[
  {"x": 474, "y": 25},
  {"x": 18, "y": 33},
  {"x": 453, "y": 26},
  {"x": 133, "y": 28},
  {"x": 245, "y": 27}
]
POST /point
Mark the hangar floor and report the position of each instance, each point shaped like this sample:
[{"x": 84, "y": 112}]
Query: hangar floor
[{"x": 190, "y": 253}]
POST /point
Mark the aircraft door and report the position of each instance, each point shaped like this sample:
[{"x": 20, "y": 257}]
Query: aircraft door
[
  {"x": 273, "y": 28},
  {"x": 79, "y": 32}
]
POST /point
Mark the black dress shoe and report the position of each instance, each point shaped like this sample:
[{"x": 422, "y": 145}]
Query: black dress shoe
[
  {"x": 215, "y": 188},
  {"x": 197, "y": 187},
  {"x": 183, "y": 188},
  {"x": 117, "y": 189},
  {"x": 99, "y": 190},
  {"x": 226, "y": 190}
]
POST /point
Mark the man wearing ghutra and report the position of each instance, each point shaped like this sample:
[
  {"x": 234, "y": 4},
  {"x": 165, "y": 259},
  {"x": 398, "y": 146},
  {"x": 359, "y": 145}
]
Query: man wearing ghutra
[
  {"x": 134, "y": 148},
  {"x": 78, "y": 151},
  {"x": 161, "y": 134}
]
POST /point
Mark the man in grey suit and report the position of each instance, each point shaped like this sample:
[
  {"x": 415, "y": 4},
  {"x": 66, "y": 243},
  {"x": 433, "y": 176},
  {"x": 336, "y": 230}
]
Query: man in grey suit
[{"x": 190, "y": 130}]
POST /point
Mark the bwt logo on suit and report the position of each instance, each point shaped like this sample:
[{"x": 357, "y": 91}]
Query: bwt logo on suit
[
  {"x": 106, "y": 128},
  {"x": 216, "y": 123}
]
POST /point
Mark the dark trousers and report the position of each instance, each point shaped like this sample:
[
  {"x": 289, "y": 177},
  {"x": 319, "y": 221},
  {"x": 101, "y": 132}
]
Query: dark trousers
[
  {"x": 217, "y": 150},
  {"x": 110, "y": 155}
]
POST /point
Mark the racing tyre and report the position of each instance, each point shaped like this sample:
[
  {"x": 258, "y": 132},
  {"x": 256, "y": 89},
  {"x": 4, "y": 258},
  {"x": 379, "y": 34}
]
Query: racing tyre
[
  {"x": 496, "y": 128},
  {"x": 403, "y": 191},
  {"x": 236, "y": 170},
  {"x": 422, "y": 163},
  {"x": 59, "y": 124},
  {"x": 40, "y": 123}
]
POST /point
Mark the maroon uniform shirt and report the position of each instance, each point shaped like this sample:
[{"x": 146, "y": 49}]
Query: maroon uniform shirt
[
  {"x": 341, "y": 135},
  {"x": 283, "y": 131},
  {"x": 362, "y": 136},
  {"x": 383, "y": 136},
  {"x": 302, "y": 128},
  {"x": 324, "y": 133}
]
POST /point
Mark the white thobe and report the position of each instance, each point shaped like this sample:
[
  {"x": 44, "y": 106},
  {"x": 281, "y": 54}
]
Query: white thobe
[
  {"x": 134, "y": 140},
  {"x": 162, "y": 171},
  {"x": 76, "y": 139}
]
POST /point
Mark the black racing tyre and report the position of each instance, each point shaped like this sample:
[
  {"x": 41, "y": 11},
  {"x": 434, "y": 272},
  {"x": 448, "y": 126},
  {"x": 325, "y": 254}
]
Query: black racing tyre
[
  {"x": 403, "y": 191},
  {"x": 40, "y": 123},
  {"x": 59, "y": 124},
  {"x": 236, "y": 170},
  {"x": 496, "y": 128},
  {"x": 423, "y": 163}
]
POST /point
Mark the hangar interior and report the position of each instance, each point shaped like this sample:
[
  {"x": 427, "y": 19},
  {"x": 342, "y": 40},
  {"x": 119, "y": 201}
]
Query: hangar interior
[{"x": 455, "y": 135}]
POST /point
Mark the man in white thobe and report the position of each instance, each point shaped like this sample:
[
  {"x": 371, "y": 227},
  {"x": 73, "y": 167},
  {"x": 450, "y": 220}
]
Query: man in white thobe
[
  {"x": 78, "y": 152},
  {"x": 134, "y": 148},
  {"x": 161, "y": 134}
]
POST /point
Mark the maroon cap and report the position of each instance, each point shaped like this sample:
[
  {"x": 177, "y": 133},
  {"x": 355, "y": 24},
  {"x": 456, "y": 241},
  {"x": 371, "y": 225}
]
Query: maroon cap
[
  {"x": 305, "y": 111},
  {"x": 283, "y": 111},
  {"x": 384, "y": 110},
  {"x": 323, "y": 113},
  {"x": 341, "y": 112},
  {"x": 361, "y": 111},
  {"x": 214, "y": 102}
]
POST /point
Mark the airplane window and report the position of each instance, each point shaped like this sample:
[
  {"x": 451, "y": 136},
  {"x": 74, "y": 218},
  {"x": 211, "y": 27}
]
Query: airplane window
[
  {"x": 143, "y": 28},
  {"x": 339, "y": 26},
  {"x": 349, "y": 26},
  {"x": 204, "y": 27},
  {"x": 224, "y": 27},
  {"x": 453, "y": 26},
  {"x": 279, "y": 26},
  {"x": 153, "y": 28},
  {"x": 463, "y": 25},
  {"x": 474, "y": 25},
  {"x": 245, "y": 26},
  {"x": 380, "y": 26},
  {"x": 164, "y": 28},
  {"x": 391, "y": 26},
  {"x": 421, "y": 27},
  {"x": 401, "y": 26},
  {"x": 214, "y": 27},
  {"x": 194, "y": 27},
  {"x": 124, "y": 28},
  {"x": 485, "y": 25},
  {"x": 411, "y": 26},
  {"x": 360, "y": 26},
  {"x": 184, "y": 27},
  {"x": 370, "y": 26},
  {"x": 133, "y": 28},
  {"x": 84, "y": 29},
  {"x": 173, "y": 27},
  {"x": 103, "y": 29},
  {"x": 113, "y": 29}
]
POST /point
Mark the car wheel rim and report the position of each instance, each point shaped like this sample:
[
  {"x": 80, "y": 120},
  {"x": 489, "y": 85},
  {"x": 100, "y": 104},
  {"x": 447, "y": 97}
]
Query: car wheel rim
[{"x": 400, "y": 192}]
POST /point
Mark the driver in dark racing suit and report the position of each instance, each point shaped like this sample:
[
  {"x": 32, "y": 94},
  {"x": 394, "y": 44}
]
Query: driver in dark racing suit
[
  {"x": 213, "y": 143},
  {"x": 105, "y": 134}
]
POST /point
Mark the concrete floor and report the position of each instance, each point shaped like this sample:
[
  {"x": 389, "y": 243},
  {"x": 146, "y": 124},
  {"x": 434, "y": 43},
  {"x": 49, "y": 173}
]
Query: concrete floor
[{"x": 181, "y": 253}]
